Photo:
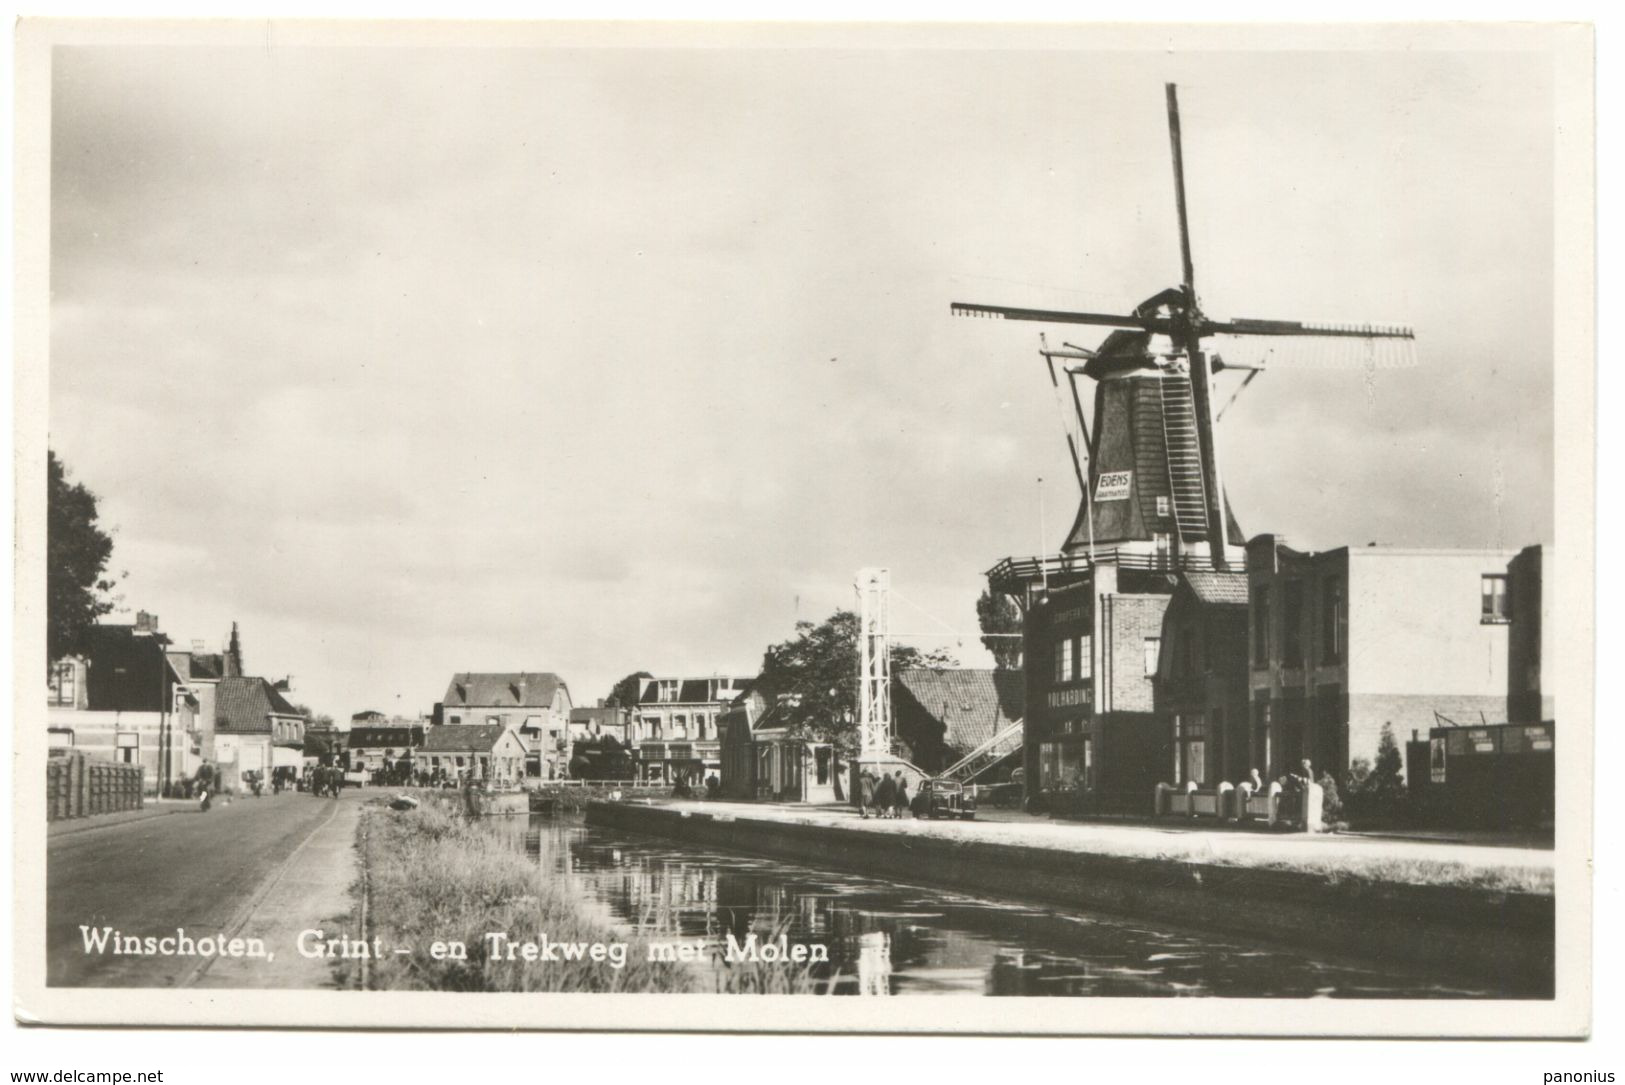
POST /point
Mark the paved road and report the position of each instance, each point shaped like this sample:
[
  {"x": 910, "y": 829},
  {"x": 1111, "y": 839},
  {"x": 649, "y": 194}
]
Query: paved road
[{"x": 228, "y": 871}]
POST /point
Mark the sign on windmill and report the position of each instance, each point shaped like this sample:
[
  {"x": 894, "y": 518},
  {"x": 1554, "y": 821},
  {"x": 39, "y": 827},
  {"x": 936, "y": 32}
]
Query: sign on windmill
[{"x": 1152, "y": 459}]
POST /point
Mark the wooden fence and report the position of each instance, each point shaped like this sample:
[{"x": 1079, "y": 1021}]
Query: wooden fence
[{"x": 77, "y": 786}]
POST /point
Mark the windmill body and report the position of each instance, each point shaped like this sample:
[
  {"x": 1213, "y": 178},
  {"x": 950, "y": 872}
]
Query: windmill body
[
  {"x": 1154, "y": 525},
  {"x": 1146, "y": 498}
]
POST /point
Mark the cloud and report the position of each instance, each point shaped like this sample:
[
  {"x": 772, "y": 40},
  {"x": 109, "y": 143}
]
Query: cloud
[{"x": 422, "y": 360}]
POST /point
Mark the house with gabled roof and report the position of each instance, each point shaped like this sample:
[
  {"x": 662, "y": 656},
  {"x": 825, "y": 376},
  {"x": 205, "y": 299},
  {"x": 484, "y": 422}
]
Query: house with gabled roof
[
  {"x": 943, "y": 715},
  {"x": 256, "y": 729},
  {"x": 490, "y": 753},
  {"x": 534, "y": 704}
]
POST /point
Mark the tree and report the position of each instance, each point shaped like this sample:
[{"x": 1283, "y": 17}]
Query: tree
[
  {"x": 601, "y": 758},
  {"x": 77, "y": 551},
  {"x": 1387, "y": 780},
  {"x": 1378, "y": 791},
  {"x": 626, "y": 692},
  {"x": 816, "y": 671},
  {"x": 999, "y": 616}
]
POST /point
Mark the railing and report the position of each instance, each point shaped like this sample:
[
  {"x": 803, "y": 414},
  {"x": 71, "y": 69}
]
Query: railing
[
  {"x": 536, "y": 784},
  {"x": 1021, "y": 571},
  {"x": 986, "y": 755}
]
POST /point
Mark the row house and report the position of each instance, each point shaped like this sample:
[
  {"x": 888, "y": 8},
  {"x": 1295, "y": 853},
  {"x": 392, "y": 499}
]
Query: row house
[
  {"x": 675, "y": 725},
  {"x": 378, "y": 740},
  {"x": 125, "y": 698},
  {"x": 132, "y": 696}
]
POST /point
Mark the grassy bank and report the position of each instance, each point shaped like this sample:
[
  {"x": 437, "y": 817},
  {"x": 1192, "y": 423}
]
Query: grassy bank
[{"x": 432, "y": 875}]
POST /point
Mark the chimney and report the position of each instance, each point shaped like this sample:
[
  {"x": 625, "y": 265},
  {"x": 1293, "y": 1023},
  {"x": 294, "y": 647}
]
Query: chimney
[{"x": 145, "y": 623}]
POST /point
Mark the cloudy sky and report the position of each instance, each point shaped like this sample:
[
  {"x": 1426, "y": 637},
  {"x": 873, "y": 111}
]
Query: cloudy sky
[{"x": 421, "y": 360}]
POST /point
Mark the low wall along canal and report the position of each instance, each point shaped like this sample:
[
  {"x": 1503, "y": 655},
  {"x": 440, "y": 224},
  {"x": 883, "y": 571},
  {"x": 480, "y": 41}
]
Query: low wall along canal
[{"x": 1363, "y": 939}]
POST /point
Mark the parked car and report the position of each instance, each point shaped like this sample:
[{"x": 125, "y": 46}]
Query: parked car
[{"x": 946, "y": 799}]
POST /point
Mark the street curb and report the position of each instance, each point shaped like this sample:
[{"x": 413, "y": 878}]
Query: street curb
[{"x": 75, "y": 826}]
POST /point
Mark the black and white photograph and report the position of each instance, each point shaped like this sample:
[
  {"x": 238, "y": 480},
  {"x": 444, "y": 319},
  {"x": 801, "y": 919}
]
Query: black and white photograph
[{"x": 1076, "y": 529}]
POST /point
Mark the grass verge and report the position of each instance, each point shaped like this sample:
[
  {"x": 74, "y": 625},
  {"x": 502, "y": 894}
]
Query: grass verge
[{"x": 436, "y": 876}]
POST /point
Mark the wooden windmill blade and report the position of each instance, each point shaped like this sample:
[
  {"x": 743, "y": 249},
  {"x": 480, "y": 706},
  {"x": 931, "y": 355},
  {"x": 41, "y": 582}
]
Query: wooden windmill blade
[
  {"x": 1330, "y": 346},
  {"x": 1057, "y": 316}
]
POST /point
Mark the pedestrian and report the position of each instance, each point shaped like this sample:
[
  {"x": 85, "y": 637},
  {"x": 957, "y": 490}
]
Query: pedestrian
[
  {"x": 205, "y": 785},
  {"x": 885, "y": 792},
  {"x": 900, "y": 796},
  {"x": 866, "y": 793}
]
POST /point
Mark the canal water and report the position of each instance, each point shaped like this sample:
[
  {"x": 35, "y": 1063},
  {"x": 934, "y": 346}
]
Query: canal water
[{"x": 884, "y": 938}]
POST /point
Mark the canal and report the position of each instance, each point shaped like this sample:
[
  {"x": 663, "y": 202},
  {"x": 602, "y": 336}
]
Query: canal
[{"x": 885, "y": 938}]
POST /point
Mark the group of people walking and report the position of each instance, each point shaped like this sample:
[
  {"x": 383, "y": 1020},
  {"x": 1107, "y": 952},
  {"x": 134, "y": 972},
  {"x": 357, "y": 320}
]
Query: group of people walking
[{"x": 883, "y": 796}]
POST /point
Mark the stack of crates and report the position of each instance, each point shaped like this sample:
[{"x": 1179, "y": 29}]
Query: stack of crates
[{"x": 76, "y": 787}]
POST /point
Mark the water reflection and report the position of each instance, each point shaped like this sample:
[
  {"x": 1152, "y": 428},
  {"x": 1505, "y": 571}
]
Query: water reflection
[{"x": 888, "y": 939}]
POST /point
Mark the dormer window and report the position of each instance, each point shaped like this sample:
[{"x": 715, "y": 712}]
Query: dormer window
[{"x": 668, "y": 689}]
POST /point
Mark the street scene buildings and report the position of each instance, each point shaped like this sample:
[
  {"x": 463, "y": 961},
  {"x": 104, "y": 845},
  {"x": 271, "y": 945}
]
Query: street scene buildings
[{"x": 811, "y": 624}]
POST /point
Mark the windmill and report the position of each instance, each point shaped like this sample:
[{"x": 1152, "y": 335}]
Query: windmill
[{"x": 1152, "y": 455}]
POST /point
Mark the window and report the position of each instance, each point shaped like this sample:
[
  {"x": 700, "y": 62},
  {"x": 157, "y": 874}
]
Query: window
[
  {"x": 1162, "y": 504},
  {"x": 1331, "y": 621},
  {"x": 64, "y": 684},
  {"x": 1493, "y": 602},
  {"x": 679, "y": 727},
  {"x": 454, "y": 719},
  {"x": 1188, "y": 662},
  {"x": 1160, "y": 538},
  {"x": 493, "y": 720},
  {"x": 1086, "y": 657},
  {"x": 1261, "y": 627},
  {"x": 668, "y": 689},
  {"x": 1153, "y": 651},
  {"x": 1063, "y": 661},
  {"x": 1049, "y": 765},
  {"x": 1292, "y": 624},
  {"x": 1190, "y": 749}
]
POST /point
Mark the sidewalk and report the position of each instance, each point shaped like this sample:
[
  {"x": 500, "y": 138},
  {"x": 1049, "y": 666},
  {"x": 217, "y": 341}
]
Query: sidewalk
[
  {"x": 1378, "y": 857},
  {"x": 311, "y": 891}
]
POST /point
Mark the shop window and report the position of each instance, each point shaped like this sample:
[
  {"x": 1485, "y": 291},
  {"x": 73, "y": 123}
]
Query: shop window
[{"x": 1494, "y": 606}]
